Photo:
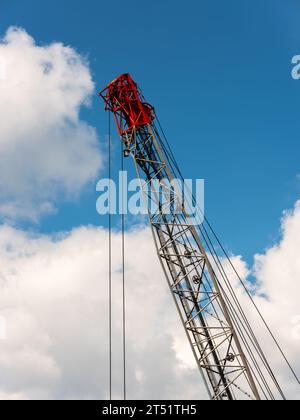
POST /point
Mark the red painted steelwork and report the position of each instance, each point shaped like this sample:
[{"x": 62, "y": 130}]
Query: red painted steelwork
[{"x": 125, "y": 100}]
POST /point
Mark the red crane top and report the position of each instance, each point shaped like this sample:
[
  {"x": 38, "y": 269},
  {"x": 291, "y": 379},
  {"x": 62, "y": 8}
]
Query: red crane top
[{"x": 123, "y": 97}]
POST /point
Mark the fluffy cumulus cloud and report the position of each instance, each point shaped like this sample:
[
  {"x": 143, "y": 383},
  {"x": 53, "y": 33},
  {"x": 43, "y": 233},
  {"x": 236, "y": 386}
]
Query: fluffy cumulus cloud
[
  {"x": 53, "y": 300},
  {"x": 278, "y": 290},
  {"x": 47, "y": 152}
]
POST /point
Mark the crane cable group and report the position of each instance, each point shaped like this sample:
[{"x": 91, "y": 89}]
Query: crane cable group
[{"x": 173, "y": 161}]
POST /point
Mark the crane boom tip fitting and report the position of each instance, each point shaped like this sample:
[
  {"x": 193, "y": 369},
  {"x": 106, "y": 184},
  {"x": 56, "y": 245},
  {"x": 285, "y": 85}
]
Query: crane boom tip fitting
[{"x": 125, "y": 100}]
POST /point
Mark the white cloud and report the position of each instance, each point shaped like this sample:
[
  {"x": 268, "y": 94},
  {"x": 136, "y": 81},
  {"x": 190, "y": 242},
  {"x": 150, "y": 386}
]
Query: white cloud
[
  {"x": 276, "y": 293},
  {"x": 278, "y": 275},
  {"x": 47, "y": 152},
  {"x": 53, "y": 295}
]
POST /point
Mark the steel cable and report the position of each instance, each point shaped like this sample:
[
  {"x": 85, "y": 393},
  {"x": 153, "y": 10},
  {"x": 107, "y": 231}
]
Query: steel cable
[
  {"x": 170, "y": 156},
  {"x": 123, "y": 276},
  {"x": 110, "y": 262}
]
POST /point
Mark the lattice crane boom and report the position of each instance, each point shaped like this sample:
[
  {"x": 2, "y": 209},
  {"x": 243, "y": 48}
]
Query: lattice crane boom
[{"x": 208, "y": 314}]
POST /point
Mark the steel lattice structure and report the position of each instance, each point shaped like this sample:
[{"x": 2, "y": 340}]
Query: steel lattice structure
[{"x": 227, "y": 360}]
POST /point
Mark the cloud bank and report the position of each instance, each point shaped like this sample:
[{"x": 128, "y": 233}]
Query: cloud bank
[
  {"x": 47, "y": 152},
  {"x": 53, "y": 295}
]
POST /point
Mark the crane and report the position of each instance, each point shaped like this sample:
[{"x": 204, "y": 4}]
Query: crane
[{"x": 230, "y": 359}]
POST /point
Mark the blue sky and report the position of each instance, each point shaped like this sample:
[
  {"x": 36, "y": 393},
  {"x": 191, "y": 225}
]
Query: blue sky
[{"x": 219, "y": 76}]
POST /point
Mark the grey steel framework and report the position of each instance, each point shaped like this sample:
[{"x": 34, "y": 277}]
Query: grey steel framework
[
  {"x": 190, "y": 276},
  {"x": 227, "y": 352},
  {"x": 207, "y": 314}
]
